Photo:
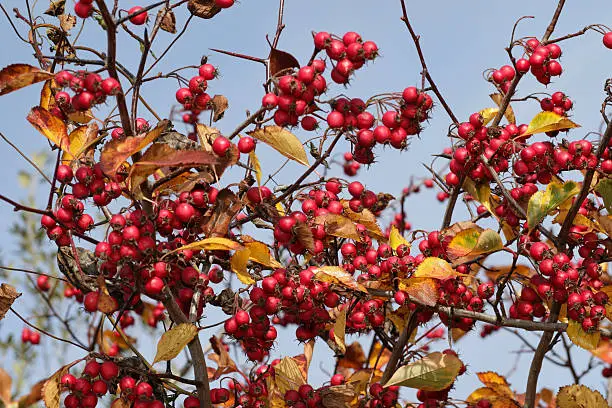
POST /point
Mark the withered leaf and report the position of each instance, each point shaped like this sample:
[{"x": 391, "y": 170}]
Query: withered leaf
[
  {"x": 280, "y": 61},
  {"x": 67, "y": 22},
  {"x": 8, "y": 294},
  {"x": 220, "y": 105},
  {"x": 227, "y": 206},
  {"x": 52, "y": 127},
  {"x": 304, "y": 236},
  {"x": 203, "y": 8},
  {"x": 52, "y": 389},
  {"x": 167, "y": 20},
  {"x": 225, "y": 364},
  {"x": 56, "y": 8},
  {"x": 17, "y": 76}
]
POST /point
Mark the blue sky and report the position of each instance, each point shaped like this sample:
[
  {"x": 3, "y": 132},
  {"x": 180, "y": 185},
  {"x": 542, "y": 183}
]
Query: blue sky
[{"x": 460, "y": 40}]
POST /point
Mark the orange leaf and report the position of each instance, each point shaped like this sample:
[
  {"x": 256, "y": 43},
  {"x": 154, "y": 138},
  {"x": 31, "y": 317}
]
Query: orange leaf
[
  {"x": 338, "y": 276},
  {"x": 17, "y": 76},
  {"x": 52, "y": 127},
  {"x": 436, "y": 268},
  {"x": 422, "y": 290},
  {"x": 338, "y": 226},
  {"x": 604, "y": 351}
]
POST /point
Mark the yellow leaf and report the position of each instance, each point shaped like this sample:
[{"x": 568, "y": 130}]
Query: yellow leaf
[
  {"x": 174, "y": 341},
  {"x": 421, "y": 290},
  {"x": 8, "y": 294},
  {"x": 496, "y": 382},
  {"x": 509, "y": 113},
  {"x": 283, "y": 141},
  {"x": 361, "y": 379},
  {"x": 52, "y": 388},
  {"x": 340, "y": 330},
  {"x": 46, "y": 95},
  {"x": 365, "y": 218},
  {"x": 400, "y": 317},
  {"x": 17, "y": 76},
  {"x": 52, "y": 127},
  {"x": 436, "y": 268},
  {"x": 338, "y": 276},
  {"x": 495, "y": 272},
  {"x": 471, "y": 243},
  {"x": 287, "y": 375},
  {"x": 488, "y": 114},
  {"x": 256, "y": 166},
  {"x": 580, "y": 396},
  {"x": 548, "y": 122},
  {"x": 79, "y": 138},
  {"x": 579, "y": 337},
  {"x": 338, "y": 226},
  {"x": 239, "y": 262},
  {"x": 396, "y": 239},
  {"x": 261, "y": 254},
  {"x": 433, "y": 372},
  {"x": 281, "y": 210},
  {"x": 212, "y": 244},
  {"x": 497, "y": 401},
  {"x": 543, "y": 202}
]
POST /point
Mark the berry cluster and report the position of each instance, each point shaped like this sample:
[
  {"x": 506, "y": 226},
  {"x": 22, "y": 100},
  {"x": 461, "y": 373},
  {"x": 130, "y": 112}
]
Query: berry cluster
[
  {"x": 29, "y": 336},
  {"x": 350, "y": 166},
  {"x": 194, "y": 97},
  {"x": 89, "y": 90},
  {"x": 543, "y": 60}
]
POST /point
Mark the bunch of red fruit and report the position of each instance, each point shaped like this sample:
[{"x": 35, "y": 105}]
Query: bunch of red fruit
[
  {"x": 89, "y": 89},
  {"x": 29, "y": 336},
  {"x": 543, "y": 60},
  {"x": 194, "y": 97}
]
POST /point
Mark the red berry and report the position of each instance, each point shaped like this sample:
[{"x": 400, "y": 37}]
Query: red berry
[
  {"x": 221, "y": 145},
  {"x": 246, "y": 144},
  {"x": 83, "y": 9},
  {"x": 607, "y": 40},
  {"x": 224, "y": 3},
  {"x": 138, "y": 19}
]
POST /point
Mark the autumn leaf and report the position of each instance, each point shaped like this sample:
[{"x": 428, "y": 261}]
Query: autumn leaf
[
  {"x": 509, "y": 113},
  {"x": 354, "y": 357},
  {"x": 5, "y": 387},
  {"x": 579, "y": 337},
  {"x": 227, "y": 205},
  {"x": 288, "y": 375},
  {"x": 52, "y": 389},
  {"x": 80, "y": 138},
  {"x": 225, "y": 364},
  {"x": 365, "y": 218},
  {"x": 281, "y": 61},
  {"x": 8, "y": 294},
  {"x": 17, "y": 76},
  {"x": 338, "y": 396},
  {"x": 603, "y": 351},
  {"x": 46, "y": 95},
  {"x": 340, "y": 330},
  {"x": 496, "y": 272},
  {"x": 548, "y": 122},
  {"x": 118, "y": 151},
  {"x": 52, "y": 127},
  {"x": 396, "y": 239},
  {"x": 580, "y": 396},
  {"x": 167, "y": 20},
  {"x": 203, "y": 8},
  {"x": 256, "y": 165},
  {"x": 433, "y": 372},
  {"x": 338, "y": 226},
  {"x": 436, "y": 268},
  {"x": 338, "y": 276},
  {"x": 400, "y": 317},
  {"x": 238, "y": 263},
  {"x": 496, "y": 382},
  {"x": 212, "y": 244},
  {"x": 471, "y": 243},
  {"x": 543, "y": 202},
  {"x": 174, "y": 341},
  {"x": 604, "y": 188},
  {"x": 379, "y": 356},
  {"x": 220, "y": 105},
  {"x": 260, "y": 253},
  {"x": 488, "y": 114},
  {"x": 422, "y": 290},
  {"x": 283, "y": 141}
]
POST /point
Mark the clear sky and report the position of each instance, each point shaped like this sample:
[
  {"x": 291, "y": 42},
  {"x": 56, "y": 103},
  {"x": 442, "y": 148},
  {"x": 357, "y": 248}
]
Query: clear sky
[{"x": 460, "y": 40}]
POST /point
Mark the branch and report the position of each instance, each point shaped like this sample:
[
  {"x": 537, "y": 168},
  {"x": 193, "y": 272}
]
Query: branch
[{"x": 553, "y": 21}]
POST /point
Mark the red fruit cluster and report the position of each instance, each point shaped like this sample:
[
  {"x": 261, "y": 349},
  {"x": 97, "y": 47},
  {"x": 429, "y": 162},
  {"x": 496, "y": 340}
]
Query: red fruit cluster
[
  {"x": 349, "y": 52},
  {"x": 542, "y": 60},
  {"x": 488, "y": 329},
  {"x": 503, "y": 77},
  {"x": 89, "y": 90},
  {"x": 194, "y": 97},
  {"x": 350, "y": 166},
  {"x": 29, "y": 336},
  {"x": 558, "y": 103}
]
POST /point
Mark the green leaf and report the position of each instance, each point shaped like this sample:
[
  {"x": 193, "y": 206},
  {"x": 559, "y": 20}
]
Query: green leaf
[
  {"x": 543, "y": 202},
  {"x": 604, "y": 188},
  {"x": 548, "y": 122},
  {"x": 434, "y": 372}
]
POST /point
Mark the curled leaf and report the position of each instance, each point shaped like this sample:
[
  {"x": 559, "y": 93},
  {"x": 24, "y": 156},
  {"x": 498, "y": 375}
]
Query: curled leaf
[
  {"x": 340, "y": 330},
  {"x": 580, "y": 396},
  {"x": 281, "y": 61},
  {"x": 8, "y": 294},
  {"x": 52, "y": 127},
  {"x": 239, "y": 263},
  {"x": 283, "y": 141},
  {"x": 203, "y": 8},
  {"x": 433, "y": 372},
  {"x": 174, "y": 341},
  {"x": 220, "y": 105},
  {"x": 548, "y": 122},
  {"x": 256, "y": 165},
  {"x": 338, "y": 276},
  {"x": 167, "y": 20},
  {"x": 17, "y": 76}
]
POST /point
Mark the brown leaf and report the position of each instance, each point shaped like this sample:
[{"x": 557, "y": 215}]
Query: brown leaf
[
  {"x": 280, "y": 61},
  {"x": 168, "y": 20},
  {"x": 67, "y": 22},
  {"x": 227, "y": 206},
  {"x": 33, "y": 396},
  {"x": 8, "y": 294},
  {"x": 203, "y": 8},
  {"x": 304, "y": 236},
  {"x": 337, "y": 396},
  {"x": 365, "y": 218},
  {"x": 17, "y": 76},
  {"x": 6, "y": 383},
  {"x": 117, "y": 151},
  {"x": 338, "y": 226},
  {"x": 225, "y": 364},
  {"x": 56, "y": 8},
  {"x": 338, "y": 276},
  {"x": 220, "y": 105},
  {"x": 52, "y": 127},
  {"x": 52, "y": 389},
  {"x": 354, "y": 357}
]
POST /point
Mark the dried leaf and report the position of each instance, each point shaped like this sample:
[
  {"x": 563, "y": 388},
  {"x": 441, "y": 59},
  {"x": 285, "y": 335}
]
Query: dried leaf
[
  {"x": 238, "y": 264},
  {"x": 471, "y": 243},
  {"x": 220, "y": 105},
  {"x": 8, "y": 294},
  {"x": 548, "y": 122},
  {"x": 203, "y": 8},
  {"x": 213, "y": 244},
  {"x": 308, "y": 352},
  {"x": 52, "y": 127},
  {"x": 604, "y": 188},
  {"x": 174, "y": 341},
  {"x": 340, "y": 330},
  {"x": 46, "y": 95},
  {"x": 118, "y": 151},
  {"x": 303, "y": 235},
  {"x": 81, "y": 139},
  {"x": 496, "y": 272},
  {"x": 365, "y": 218},
  {"x": 82, "y": 117},
  {"x": 604, "y": 351},
  {"x": 6, "y": 382},
  {"x": 52, "y": 389},
  {"x": 338, "y": 396},
  {"x": 579, "y": 337},
  {"x": 283, "y": 141},
  {"x": 56, "y": 8},
  {"x": 396, "y": 239},
  {"x": 421, "y": 290},
  {"x": 67, "y": 22},
  {"x": 580, "y": 396},
  {"x": 436, "y": 268},
  {"x": 496, "y": 382},
  {"x": 256, "y": 165},
  {"x": 167, "y": 20},
  {"x": 288, "y": 375},
  {"x": 543, "y": 202},
  {"x": 509, "y": 113},
  {"x": 338, "y": 276},
  {"x": 433, "y": 372},
  {"x": 225, "y": 364},
  {"x": 17, "y": 76},
  {"x": 338, "y": 226},
  {"x": 353, "y": 358},
  {"x": 227, "y": 206},
  {"x": 281, "y": 61}
]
